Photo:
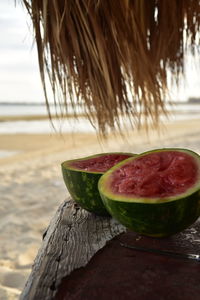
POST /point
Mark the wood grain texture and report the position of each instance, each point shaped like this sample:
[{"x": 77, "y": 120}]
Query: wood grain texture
[
  {"x": 73, "y": 237},
  {"x": 118, "y": 272}
]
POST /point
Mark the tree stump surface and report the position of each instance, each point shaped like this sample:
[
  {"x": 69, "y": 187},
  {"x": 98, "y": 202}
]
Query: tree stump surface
[
  {"x": 72, "y": 238},
  {"x": 85, "y": 257}
]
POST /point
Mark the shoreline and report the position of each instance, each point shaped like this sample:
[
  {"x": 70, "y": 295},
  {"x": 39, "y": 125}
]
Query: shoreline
[
  {"x": 13, "y": 118},
  {"x": 38, "y": 143},
  {"x": 24, "y": 146},
  {"x": 172, "y": 107}
]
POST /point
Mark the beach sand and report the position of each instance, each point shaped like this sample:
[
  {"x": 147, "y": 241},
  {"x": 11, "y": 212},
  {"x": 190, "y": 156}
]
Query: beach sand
[{"x": 32, "y": 187}]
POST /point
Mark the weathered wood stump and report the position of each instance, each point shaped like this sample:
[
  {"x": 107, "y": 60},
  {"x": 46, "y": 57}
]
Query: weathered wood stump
[
  {"x": 73, "y": 237},
  {"x": 69, "y": 267}
]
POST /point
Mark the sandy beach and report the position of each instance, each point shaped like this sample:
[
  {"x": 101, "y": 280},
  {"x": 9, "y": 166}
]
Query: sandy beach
[{"x": 32, "y": 187}]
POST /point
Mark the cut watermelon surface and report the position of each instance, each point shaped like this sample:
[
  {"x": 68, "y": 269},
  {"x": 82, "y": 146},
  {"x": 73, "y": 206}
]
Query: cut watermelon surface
[
  {"x": 156, "y": 175},
  {"x": 81, "y": 177},
  {"x": 99, "y": 163},
  {"x": 155, "y": 193}
]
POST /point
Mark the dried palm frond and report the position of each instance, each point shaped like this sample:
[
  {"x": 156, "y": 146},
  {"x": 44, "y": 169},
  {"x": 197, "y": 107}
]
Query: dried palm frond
[{"x": 113, "y": 56}]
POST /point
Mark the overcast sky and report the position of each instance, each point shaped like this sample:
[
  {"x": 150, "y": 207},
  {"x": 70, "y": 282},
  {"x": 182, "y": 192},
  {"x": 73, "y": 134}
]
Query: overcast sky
[{"x": 19, "y": 73}]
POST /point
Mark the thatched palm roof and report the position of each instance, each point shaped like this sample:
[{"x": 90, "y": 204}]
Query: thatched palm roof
[{"x": 113, "y": 55}]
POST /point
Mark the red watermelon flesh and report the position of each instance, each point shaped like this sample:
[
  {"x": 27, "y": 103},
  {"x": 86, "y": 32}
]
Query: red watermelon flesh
[
  {"x": 100, "y": 163},
  {"x": 162, "y": 174}
]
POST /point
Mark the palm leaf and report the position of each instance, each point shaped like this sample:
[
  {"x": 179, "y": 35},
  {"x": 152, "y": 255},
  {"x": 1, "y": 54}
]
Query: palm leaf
[{"x": 113, "y": 56}]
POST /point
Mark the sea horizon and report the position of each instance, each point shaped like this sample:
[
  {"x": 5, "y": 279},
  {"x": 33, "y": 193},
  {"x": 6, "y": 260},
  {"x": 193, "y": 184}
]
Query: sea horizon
[{"x": 32, "y": 117}]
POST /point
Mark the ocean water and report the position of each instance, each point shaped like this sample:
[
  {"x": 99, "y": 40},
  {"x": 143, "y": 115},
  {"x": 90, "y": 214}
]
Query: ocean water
[
  {"x": 25, "y": 109},
  {"x": 178, "y": 112},
  {"x": 39, "y": 126},
  {"x": 45, "y": 126}
]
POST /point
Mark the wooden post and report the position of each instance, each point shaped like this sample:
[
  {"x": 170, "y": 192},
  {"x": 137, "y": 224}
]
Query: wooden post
[{"x": 72, "y": 238}]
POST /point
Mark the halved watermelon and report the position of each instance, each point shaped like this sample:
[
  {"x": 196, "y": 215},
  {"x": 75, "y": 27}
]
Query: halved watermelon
[
  {"x": 81, "y": 177},
  {"x": 155, "y": 193}
]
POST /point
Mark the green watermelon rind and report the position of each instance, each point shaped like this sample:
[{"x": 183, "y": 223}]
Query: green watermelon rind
[
  {"x": 83, "y": 185},
  {"x": 153, "y": 216}
]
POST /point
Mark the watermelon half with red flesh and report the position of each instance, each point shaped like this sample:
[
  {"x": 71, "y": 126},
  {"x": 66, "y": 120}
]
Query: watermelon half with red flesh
[
  {"x": 155, "y": 193},
  {"x": 81, "y": 177}
]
